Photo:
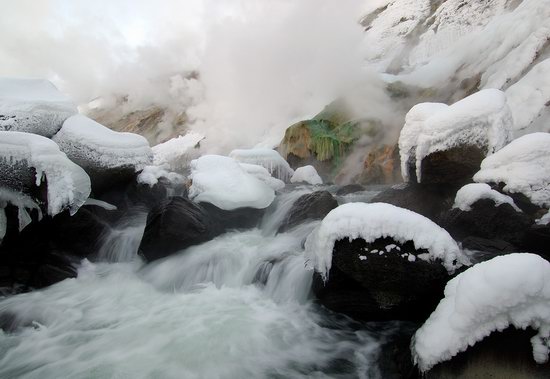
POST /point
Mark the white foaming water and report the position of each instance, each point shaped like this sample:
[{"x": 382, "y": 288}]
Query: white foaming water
[
  {"x": 234, "y": 307},
  {"x": 121, "y": 242}
]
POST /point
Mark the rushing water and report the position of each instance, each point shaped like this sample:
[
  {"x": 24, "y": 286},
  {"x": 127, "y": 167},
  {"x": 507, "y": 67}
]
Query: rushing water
[{"x": 235, "y": 307}]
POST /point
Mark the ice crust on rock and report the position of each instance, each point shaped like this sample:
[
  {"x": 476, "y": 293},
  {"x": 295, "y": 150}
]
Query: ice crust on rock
[
  {"x": 509, "y": 290},
  {"x": 524, "y": 167},
  {"x": 482, "y": 119},
  {"x": 379, "y": 220},
  {"x": 263, "y": 175},
  {"x": 267, "y": 158},
  {"x": 470, "y": 193},
  {"x": 33, "y": 106},
  {"x": 150, "y": 175},
  {"x": 306, "y": 174},
  {"x": 177, "y": 152},
  {"x": 93, "y": 145},
  {"x": 222, "y": 181},
  {"x": 68, "y": 185}
]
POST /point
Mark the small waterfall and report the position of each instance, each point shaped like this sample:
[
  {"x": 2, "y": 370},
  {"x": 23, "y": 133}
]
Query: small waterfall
[
  {"x": 121, "y": 242},
  {"x": 276, "y": 213}
]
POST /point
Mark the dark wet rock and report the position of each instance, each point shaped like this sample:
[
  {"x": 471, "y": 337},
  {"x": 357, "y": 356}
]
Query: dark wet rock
[
  {"x": 394, "y": 360},
  {"x": 537, "y": 240},
  {"x": 311, "y": 206},
  {"x": 506, "y": 355},
  {"x": 381, "y": 287},
  {"x": 236, "y": 219},
  {"x": 350, "y": 188},
  {"x": 484, "y": 249}
]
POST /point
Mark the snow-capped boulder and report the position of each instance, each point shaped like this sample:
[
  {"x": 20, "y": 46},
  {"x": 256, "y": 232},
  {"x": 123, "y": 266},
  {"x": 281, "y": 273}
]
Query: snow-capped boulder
[
  {"x": 222, "y": 182},
  {"x": 523, "y": 166},
  {"x": 311, "y": 206},
  {"x": 263, "y": 175},
  {"x": 34, "y": 172},
  {"x": 306, "y": 174},
  {"x": 33, "y": 106},
  {"x": 471, "y": 193},
  {"x": 177, "y": 152},
  {"x": 445, "y": 144},
  {"x": 512, "y": 290},
  {"x": 108, "y": 157},
  {"x": 267, "y": 158}
]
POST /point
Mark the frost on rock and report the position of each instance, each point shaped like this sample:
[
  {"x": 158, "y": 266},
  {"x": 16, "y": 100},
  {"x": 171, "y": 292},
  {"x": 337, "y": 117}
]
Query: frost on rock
[
  {"x": 379, "y": 220},
  {"x": 263, "y": 175},
  {"x": 470, "y": 193},
  {"x": 529, "y": 96},
  {"x": 28, "y": 161},
  {"x": 523, "y": 166},
  {"x": 267, "y": 158},
  {"x": 33, "y": 106},
  {"x": 150, "y": 175},
  {"x": 306, "y": 174},
  {"x": 177, "y": 152},
  {"x": 482, "y": 119},
  {"x": 96, "y": 147},
  {"x": 509, "y": 290},
  {"x": 223, "y": 182}
]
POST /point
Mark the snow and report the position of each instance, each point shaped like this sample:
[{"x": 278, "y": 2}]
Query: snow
[
  {"x": 379, "y": 220},
  {"x": 68, "y": 185},
  {"x": 150, "y": 175},
  {"x": 267, "y": 158},
  {"x": 32, "y": 106},
  {"x": 523, "y": 165},
  {"x": 177, "y": 152},
  {"x": 223, "y": 182},
  {"x": 306, "y": 174},
  {"x": 93, "y": 145},
  {"x": 509, "y": 290},
  {"x": 482, "y": 119},
  {"x": 470, "y": 193},
  {"x": 263, "y": 175},
  {"x": 528, "y": 97},
  {"x": 544, "y": 220}
]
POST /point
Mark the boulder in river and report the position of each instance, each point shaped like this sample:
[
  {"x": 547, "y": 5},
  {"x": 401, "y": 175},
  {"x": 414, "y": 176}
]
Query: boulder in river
[{"x": 311, "y": 206}]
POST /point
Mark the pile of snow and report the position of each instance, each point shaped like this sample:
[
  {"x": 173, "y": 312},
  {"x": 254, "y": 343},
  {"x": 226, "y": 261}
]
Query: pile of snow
[
  {"x": 150, "y": 175},
  {"x": 470, "y": 193},
  {"x": 306, "y": 174},
  {"x": 33, "y": 106},
  {"x": 523, "y": 165},
  {"x": 482, "y": 119},
  {"x": 379, "y": 220},
  {"x": 263, "y": 175},
  {"x": 95, "y": 146},
  {"x": 68, "y": 185},
  {"x": 223, "y": 182},
  {"x": 177, "y": 152},
  {"x": 267, "y": 158},
  {"x": 509, "y": 290}
]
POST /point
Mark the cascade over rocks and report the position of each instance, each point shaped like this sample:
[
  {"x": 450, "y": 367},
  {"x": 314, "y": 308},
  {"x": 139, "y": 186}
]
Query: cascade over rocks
[{"x": 311, "y": 206}]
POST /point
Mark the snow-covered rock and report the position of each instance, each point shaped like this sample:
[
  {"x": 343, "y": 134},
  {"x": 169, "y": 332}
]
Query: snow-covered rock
[
  {"x": 267, "y": 158},
  {"x": 150, "y": 175},
  {"x": 470, "y": 193},
  {"x": 524, "y": 167},
  {"x": 33, "y": 106},
  {"x": 510, "y": 290},
  {"x": 306, "y": 174},
  {"x": 106, "y": 155},
  {"x": 68, "y": 185},
  {"x": 544, "y": 220},
  {"x": 263, "y": 175},
  {"x": 177, "y": 152},
  {"x": 223, "y": 182},
  {"x": 379, "y": 220},
  {"x": 481, "y": 120}
]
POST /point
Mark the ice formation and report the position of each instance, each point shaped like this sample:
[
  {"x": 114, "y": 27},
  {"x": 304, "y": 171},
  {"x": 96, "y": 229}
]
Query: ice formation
[
  {"x": 482, "y": 119},
  {"x": 150, "y": 175},
  {"x": 177, "y": 152},
  {"x": 93, "y": 145},
  {"x": 263, "y": 175},
  {"x": 379, "y": 220},
  {"x": 509, "y": 290},
  {"x": 223, "y": 182},
  {"x": 470, "y": 193},
  {"x": 33, "y": 106},
  {"x": 268, "y": 158},
  {"x": 68, "y": 186},
  {"x": 306, "y": 174},
  {"x": 524, "y": 167},
  {"x": 544, "y": 220}
]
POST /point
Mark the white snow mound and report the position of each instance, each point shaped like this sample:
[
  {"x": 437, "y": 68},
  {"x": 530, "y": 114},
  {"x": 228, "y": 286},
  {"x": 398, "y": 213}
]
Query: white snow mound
[
  {"x": 470, "y": 193},
  {"x": 177, "y": 152},
  {"x": 33, "y": 106},
  {"x": 93, "y": 145},
  {"x": 223, "y": 182},
  {"x": 68, "y": 185},
  {"x": 263, "y": 175},
  {"x": 378, "y": 220},
  {"x": 523, "y": 165},
  {"x": 482, "y": 119},
  {"x": 306, "y": 174},
  {"x": 267, "y": 158},
  {"x": 509, "y": 290}
]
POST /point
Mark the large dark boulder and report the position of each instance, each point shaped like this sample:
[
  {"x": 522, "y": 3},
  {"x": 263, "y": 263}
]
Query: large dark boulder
[
  {"x": 311, "y": 206},
  {"x": 236, "y": 219},
  {"x": 392, "y": 286}
]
